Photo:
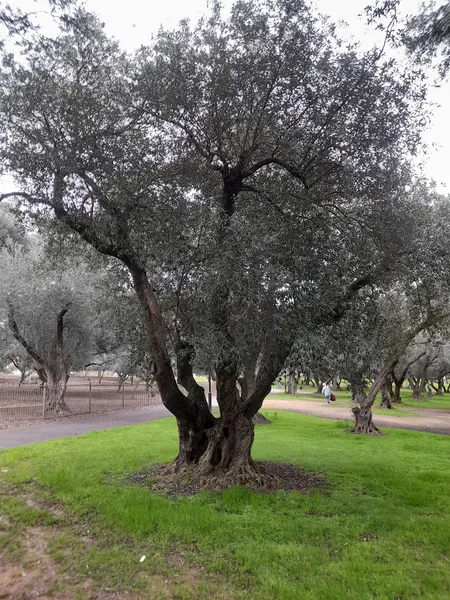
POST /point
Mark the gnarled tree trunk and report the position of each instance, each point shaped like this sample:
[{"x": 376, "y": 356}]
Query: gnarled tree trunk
[
  {"x": 247, "y": 384},
  {"x": 56, "y": 392},
  {"x": 387, "y": 395},
  {"x": 218, "y": 448},
  {"x": 398, "y": 382},
  {"x": 336, "y": 384},
  {"x": 318, "y": 383},
  {"x": 363, "y": 412},
  {"x": 439, "y": 387},
  {"x": 53, "y": 371},
  {"x": 292, "y": 384},
  {"x": 418, "y": 386}
]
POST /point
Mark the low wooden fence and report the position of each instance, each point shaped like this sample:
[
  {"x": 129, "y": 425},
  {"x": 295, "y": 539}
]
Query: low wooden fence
[{"x": 34, "y": 402}]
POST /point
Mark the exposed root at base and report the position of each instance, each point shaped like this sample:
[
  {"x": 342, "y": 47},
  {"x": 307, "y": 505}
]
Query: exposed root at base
[
  {"x": 260, "y": 419},
  {"x": 263, "y": 476},
  {"x": 365, "y": 431},
  {"x": 59, "y": 411}
]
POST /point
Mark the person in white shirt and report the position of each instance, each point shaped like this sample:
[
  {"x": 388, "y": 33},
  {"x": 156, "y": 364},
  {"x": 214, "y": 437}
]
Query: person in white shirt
[{"x": 327, "y": 393}]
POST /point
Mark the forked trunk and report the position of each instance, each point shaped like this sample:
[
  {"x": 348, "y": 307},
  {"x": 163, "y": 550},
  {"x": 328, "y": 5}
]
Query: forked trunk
[
  {"x": 364, "y": 420},
  {"x": 398, "y": 388},
  {"x": 224, "y": 449},
  {"x": 363, "y": 413},
  {"x": 220, "y": 450},
  {"x": 55, "y": 393},
  {"x": 336, "y": 383},
  {"x": 418, "y": 387},
  {"x": 247, "y": 384},
  {"x": 439, "y": 387},
  {"x": 214, "y": 451}
]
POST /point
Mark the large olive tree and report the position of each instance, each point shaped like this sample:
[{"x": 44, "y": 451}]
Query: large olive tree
[{"x": 250, "y": 174}]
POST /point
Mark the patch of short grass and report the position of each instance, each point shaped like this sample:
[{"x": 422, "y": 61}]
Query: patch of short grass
[
  {"x": 380, "y": 529},
  {"x": 433, "y": 402}
]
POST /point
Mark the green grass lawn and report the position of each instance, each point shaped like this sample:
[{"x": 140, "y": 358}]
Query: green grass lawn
[
  {"x": 379, "y": 529},
  {"x": 343, "y": 399}
]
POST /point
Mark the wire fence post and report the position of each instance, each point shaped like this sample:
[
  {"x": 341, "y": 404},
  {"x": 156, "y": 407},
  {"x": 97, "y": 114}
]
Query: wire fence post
[
  {"x": 44, "y": 399},
  {"x": 90, "y": 397}
]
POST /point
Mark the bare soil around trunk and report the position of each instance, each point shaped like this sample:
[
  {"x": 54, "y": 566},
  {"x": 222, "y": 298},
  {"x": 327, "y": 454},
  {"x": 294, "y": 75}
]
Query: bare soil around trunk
[{"x": 268, "y": 477}]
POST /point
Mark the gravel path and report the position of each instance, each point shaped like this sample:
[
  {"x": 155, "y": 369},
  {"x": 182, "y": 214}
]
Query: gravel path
[{"x": 435, "y": 421}]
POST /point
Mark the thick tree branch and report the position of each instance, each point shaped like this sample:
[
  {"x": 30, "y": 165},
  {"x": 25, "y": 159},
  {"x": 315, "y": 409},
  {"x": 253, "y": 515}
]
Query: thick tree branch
[
  {"x": 19, "y": 337},
  {"x": 60, "y": 330},
  {"x": 281, "y": 163},
  {"x": 24, "y": 195}
]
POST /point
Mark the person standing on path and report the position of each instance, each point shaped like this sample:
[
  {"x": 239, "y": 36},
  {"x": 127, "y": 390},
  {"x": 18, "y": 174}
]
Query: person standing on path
[{"x": 327, "y": 393}]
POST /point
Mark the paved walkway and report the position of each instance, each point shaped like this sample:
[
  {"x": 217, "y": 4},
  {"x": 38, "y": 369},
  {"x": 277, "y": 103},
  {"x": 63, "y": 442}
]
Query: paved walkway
[
  {"x": 20, "y": 436},
  {"x": 434, "y": 421}
]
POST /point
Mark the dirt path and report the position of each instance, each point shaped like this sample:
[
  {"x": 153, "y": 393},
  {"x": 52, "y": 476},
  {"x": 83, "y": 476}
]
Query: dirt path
[{"x": 436, "y": 422}]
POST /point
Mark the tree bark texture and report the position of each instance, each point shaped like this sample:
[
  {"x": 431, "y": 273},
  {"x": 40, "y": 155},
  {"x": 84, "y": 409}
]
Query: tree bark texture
[
  {"x": 247, "y": 384},
  {"x": 363, "y": 413},
  {"x": 292, "y": 385},
  {"x": 54, "y": 373},
  {"x": 418, "y": 386},
  {"x": 398, "y": 382},
  {"x": 336, "y": 383},
  {"x": 387, "y": 395},
  {"x": 56, "y": 393}
]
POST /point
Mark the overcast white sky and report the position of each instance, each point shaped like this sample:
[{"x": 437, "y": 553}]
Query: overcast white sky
[{"x": 134, "y": 21}]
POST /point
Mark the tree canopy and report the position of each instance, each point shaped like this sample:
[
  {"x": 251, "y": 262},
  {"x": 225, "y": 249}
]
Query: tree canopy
[{"x": 251, "y": 172}]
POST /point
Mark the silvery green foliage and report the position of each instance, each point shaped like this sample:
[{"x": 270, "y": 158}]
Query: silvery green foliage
[
  {"x": 428, "y": 360},
  {"x": 123, "y": 338},
  {"x": 135, "y": 154},
  {"x": 32, "y": 295},
  {"x": 12, "y": 235},
  {"x": 14, "y": 355},
  {"x": 427, "y": 34}
]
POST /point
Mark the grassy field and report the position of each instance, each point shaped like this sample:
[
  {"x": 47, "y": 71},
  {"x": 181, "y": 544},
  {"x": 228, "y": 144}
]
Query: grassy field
[
  {"x": 405, "y": 408},
  {"x": 379, "y": 529}
]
